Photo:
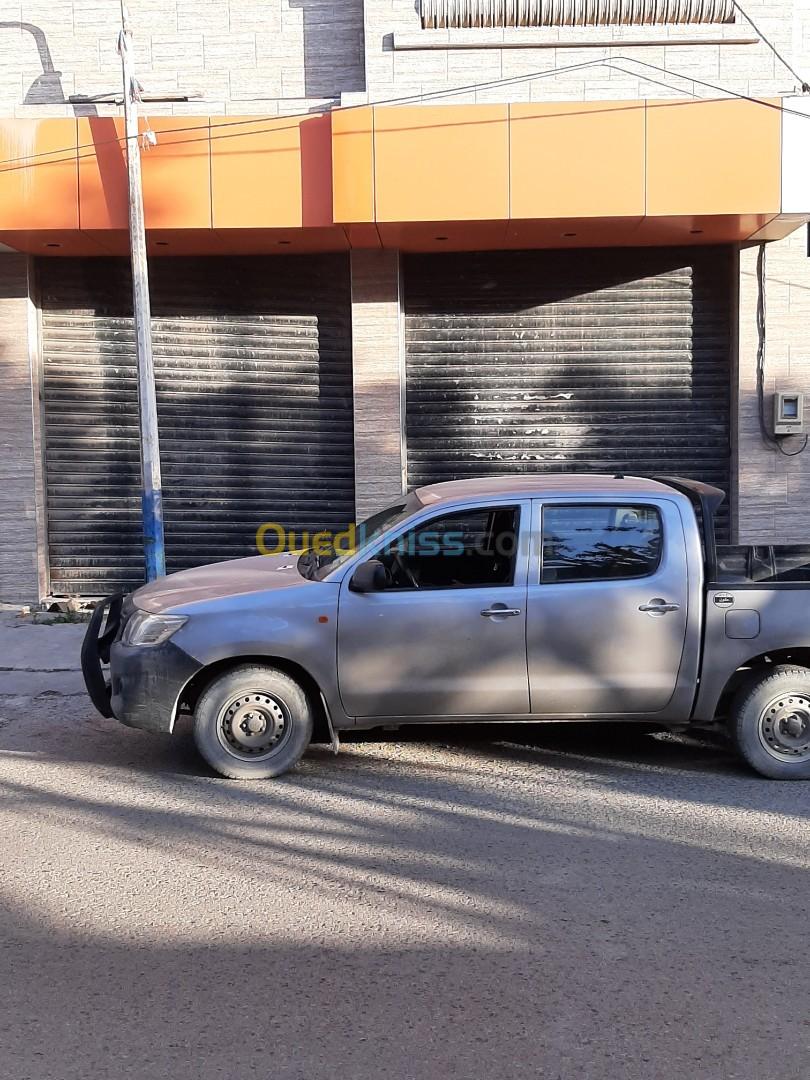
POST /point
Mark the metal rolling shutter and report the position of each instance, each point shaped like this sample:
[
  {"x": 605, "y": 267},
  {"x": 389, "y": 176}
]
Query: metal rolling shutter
[
  {"x": 253, "y": 375},
  {"x": 596, "y": 360},
  {"x": 440, "y": 14}
]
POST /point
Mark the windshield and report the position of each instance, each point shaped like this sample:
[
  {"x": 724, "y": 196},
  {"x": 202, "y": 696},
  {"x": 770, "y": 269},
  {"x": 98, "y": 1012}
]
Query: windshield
[{"x": 318, "y": 566}]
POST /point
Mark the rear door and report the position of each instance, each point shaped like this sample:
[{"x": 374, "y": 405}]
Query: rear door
[{"x": 607, "y": 607}]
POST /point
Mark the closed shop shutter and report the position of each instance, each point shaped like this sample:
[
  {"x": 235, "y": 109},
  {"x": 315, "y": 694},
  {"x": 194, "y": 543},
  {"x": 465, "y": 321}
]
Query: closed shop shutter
[
  {"x": 253, "y": 377},
  {"x": 588, "y": 361}
]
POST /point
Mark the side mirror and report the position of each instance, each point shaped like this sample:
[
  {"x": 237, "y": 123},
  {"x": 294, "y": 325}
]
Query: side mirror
[{"x": 369, "y": 577}]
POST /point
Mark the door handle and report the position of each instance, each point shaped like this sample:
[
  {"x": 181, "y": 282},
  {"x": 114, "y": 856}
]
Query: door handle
[
  {"x": 658, "y": 607},
  {"x": 496, "y": 612}
]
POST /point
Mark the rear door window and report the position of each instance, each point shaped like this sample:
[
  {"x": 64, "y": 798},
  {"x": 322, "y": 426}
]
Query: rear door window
[{"x": 600, "y": 542}]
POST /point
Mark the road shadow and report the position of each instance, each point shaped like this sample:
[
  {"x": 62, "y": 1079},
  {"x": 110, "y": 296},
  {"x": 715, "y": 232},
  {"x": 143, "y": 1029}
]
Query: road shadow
[
  {"x": 637, "y": 759},
  {"x": 414, "y": 909}
]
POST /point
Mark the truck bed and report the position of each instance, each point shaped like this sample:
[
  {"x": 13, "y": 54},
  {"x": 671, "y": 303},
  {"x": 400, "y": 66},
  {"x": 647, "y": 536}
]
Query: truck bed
[{"x": 751, "y": 564}]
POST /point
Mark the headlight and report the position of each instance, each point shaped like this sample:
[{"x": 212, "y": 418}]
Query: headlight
[{"x": 146, "y": 629}]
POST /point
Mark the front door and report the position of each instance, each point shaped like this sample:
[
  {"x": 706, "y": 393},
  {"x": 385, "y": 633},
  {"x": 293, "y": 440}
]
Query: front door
[
  {"x": 447, "y": 635},
  {"x": 607, "y": 608}
]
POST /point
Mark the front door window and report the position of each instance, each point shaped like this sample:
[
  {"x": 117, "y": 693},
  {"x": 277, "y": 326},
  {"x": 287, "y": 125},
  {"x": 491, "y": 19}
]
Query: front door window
[{"x": 465, "y": 550}]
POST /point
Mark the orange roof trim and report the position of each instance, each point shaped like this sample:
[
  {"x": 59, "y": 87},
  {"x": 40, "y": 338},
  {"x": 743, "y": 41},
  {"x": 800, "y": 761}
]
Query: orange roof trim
[{"x": 545, "y": 174}]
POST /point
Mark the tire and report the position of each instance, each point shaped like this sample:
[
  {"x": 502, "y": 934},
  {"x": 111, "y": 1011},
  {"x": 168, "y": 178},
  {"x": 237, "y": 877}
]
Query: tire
[
  {"x": 253, "y": 722},
  {"x": 769, "y": 723}
]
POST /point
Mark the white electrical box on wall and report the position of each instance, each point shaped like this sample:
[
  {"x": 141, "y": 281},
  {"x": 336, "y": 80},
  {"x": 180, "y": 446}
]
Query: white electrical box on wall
[{"x": 788, "y": 413}]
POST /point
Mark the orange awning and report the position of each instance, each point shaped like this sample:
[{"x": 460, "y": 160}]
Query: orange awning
[{"x": 417, "y": 178}]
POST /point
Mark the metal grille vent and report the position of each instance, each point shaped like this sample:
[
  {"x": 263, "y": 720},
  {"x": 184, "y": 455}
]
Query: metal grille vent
[{"x": 466, "y": 14}]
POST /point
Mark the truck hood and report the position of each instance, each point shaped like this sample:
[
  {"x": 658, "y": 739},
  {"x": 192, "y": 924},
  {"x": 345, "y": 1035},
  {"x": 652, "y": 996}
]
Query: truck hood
[{"x": 237, "y": 577}]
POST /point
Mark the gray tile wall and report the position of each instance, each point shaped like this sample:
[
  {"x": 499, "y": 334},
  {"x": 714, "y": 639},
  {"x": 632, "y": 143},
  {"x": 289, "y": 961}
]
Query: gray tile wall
[
  {"x": 377, "y": 357},
  {"x": 773, "y": 490},
  {"x": 18, "y": 528},
  {"x": 245, "y": 56},
  {"x": 746, "y": 69}
]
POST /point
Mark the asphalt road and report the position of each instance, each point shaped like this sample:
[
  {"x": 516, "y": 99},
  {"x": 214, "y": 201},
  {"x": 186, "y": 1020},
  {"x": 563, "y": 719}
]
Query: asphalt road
[{"x": 526, "y": 902}]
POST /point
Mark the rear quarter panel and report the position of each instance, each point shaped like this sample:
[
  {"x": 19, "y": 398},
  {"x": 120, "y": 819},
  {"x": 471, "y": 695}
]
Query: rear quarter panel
[{"x": 772, "y": 618}]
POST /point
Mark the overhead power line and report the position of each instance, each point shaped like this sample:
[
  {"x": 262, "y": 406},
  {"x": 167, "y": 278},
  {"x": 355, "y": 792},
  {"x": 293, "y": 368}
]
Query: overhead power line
[
  {"x": 407, "y": 99},
  {"x": 51, "y": 157},
  {"x": 764, "y": 102},
  {"x": 803, "y": 83}
]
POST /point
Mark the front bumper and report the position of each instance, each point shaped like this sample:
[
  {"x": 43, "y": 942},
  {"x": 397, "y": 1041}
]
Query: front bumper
[{"x": 144, "y": 681}]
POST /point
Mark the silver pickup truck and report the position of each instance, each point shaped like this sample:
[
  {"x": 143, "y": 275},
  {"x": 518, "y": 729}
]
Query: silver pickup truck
[{"x": 534, "y": 598}]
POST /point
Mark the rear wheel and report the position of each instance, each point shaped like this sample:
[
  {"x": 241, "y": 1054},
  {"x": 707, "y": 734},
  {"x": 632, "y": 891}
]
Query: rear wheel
[
  {"x": 770, "y": 723},
  {"x": 253, "y": 722}
]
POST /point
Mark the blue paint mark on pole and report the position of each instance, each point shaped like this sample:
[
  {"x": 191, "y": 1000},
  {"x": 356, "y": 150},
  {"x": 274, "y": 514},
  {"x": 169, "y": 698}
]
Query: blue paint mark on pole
[{"x": 153, "y": 543}]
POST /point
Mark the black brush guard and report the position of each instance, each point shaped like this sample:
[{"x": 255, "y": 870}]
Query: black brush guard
[{"x": 102, "y": 631}]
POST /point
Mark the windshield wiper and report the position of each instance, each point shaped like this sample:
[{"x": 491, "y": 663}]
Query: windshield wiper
[{"x": 309, "y": 563}]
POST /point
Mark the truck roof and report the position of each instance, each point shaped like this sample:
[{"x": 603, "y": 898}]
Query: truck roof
[{"x": 535, "y": 485}]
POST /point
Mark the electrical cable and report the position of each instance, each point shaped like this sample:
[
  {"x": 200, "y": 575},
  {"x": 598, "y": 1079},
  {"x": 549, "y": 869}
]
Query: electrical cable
[
  {"x": 794, "y": 453},
  {"x": 802, "y": 82},
  {"x": 761, "y": 340},
  {"x": 785, "y": 110},
  {"x": 50, "y": 158},
  {"x": 402, "y": 100}
]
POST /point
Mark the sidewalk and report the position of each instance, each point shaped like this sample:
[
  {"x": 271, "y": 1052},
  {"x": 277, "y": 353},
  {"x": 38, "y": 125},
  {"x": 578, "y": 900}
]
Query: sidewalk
[{"x": 39, "y": 659}]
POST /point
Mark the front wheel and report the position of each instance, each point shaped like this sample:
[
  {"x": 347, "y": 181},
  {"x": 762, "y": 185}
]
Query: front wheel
[
  {"x": 770, "y": 723},
  {"x": 253, "y": 722}
]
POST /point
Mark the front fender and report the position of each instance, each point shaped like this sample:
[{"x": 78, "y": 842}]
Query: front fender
[{"x": 301, "y": 630}]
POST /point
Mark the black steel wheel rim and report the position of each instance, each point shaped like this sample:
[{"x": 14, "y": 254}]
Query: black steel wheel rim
[
  {"x": 784, "y": 728},
  {"x": 254, "y": 725}
]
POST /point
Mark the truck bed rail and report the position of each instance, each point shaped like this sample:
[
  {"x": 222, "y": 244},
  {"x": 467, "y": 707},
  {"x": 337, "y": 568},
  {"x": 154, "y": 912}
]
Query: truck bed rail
[{"x": 740, "y": 564}]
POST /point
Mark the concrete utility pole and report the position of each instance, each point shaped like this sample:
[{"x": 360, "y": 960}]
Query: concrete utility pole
[{"x": 151, "y": 490}]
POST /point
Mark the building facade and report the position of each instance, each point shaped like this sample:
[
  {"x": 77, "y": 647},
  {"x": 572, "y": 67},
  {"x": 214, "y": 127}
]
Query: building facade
[{"x": 394, "y": 242}]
